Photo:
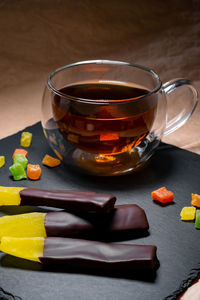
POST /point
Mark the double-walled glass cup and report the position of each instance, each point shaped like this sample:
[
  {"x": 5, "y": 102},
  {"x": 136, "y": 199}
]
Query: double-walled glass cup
[{"x": 107, "y": 117}]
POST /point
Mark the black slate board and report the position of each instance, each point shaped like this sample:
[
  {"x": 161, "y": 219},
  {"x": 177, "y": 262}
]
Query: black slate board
[{"x": 177, "y": 242}]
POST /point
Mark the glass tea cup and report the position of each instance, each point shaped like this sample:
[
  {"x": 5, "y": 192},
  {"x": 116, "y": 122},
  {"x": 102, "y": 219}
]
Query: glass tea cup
[{"x": 107, "y": 117}]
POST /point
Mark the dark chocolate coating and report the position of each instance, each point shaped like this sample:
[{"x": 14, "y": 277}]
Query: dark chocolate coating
[
  {"x": 72, "y": 200},
  {"x": 98, "y": 256},
  {"x": 124, "y": 219}
]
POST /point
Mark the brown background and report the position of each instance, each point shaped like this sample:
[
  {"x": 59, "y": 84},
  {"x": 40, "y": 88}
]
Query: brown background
[{"x": 38, "y": 36}]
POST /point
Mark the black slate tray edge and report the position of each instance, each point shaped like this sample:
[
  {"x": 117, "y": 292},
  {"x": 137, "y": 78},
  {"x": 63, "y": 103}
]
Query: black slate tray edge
[{"x": 185, "y": 284}]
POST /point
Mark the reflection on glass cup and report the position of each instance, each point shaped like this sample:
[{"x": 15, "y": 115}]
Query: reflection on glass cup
[{"x": 107, "y": 117}]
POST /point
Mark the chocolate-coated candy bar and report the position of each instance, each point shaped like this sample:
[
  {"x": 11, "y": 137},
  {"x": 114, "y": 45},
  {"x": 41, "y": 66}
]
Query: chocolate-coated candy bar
[
  {"x": 75, "y": 253},
  {"x": 72, "y": 200},
  {"x": 98, "y": 255},
  {"x": 123, "y": 220}
]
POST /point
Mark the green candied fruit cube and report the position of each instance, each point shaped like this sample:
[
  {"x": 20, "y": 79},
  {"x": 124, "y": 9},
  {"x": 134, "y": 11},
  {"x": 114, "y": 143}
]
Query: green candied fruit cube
[
  {"x": 21, "y": 159},
  {"x": 18, "y": 171},
  {"x": 197, "y": 220}
]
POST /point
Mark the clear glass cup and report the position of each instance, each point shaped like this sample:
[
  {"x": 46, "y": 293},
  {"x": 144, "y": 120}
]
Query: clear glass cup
[{"x": 107, "y": 117}]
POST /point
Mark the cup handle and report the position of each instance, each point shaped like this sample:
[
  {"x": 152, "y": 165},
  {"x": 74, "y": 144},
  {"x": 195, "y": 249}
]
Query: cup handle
[{"x": 188, "y": 108}]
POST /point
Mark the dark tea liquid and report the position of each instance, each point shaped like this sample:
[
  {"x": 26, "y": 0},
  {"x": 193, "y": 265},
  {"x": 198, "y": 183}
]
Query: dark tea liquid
[{"x": 103, "y": 127}]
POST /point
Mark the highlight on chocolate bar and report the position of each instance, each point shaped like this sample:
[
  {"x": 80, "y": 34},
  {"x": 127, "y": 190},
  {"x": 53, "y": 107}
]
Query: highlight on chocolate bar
[
  {"x": 67, "y": 199},
  {"x": 124, "y": 219},
  {"x": 66, "y": 252}
]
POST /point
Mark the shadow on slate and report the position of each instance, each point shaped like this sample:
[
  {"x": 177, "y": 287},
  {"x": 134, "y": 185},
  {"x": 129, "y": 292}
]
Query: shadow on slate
[
  {"x": 177, "y": 249},
  {"x": 22, "y": 264}
]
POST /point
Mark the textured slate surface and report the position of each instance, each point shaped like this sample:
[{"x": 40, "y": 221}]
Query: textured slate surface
[{"x": 178, "y": 249}]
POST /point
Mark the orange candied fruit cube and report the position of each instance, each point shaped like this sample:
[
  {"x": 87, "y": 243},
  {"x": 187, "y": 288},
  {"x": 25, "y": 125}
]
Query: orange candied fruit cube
[
  {"x": 58, "y": 154},
  {"x": 50, "y": 161},
  {"x": 20, "y": 151},
  {"x": 162, "y": 195},
  {"x": 109, "y": 137},
  {"x": 34, "y": 172},
  {"x": 195, "y": 200}
]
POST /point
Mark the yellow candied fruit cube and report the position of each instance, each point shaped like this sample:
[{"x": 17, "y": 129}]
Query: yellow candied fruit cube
[
  {"x": 2, "y": 161},
  {"x": 188, "y": 213},
  {"x": 72, "y": 138},
  {"x": 26, "y": 139}
]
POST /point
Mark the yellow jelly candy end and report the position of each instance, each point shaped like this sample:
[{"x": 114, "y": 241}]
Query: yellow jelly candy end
[
  {"x": 10, "y": 195},
  {"x": 27, "y": 248},
  {"x": 24, "y": 225}
]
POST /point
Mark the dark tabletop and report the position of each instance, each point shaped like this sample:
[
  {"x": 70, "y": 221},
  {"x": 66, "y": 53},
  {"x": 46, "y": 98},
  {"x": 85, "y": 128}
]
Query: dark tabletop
[{"x": 177, "y": 242}]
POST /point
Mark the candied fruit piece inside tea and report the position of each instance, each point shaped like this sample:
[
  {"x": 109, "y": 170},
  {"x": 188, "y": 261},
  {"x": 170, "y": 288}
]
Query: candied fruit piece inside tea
[{"x": 58, "y": 154}]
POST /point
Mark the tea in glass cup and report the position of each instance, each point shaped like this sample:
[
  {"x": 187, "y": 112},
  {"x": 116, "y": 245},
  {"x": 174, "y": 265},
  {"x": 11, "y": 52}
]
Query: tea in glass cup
[{"x": 107, "y": 117}]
